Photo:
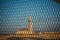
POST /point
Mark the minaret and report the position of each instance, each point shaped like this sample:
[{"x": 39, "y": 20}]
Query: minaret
[{"x": 30, "y": 25}]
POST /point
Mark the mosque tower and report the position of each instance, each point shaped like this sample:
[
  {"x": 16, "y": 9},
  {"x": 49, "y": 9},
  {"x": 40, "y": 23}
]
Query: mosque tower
[
  {"x": 27, "y": 31},
  {"x": 30, "y": 28}
]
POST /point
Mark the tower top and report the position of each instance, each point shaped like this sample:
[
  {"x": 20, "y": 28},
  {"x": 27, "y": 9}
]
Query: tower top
[{"x": 30, "y": 19}]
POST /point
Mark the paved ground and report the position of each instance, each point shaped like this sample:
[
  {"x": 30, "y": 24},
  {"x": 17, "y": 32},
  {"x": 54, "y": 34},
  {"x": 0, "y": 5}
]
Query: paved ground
[{"x": 16, "y": 37}]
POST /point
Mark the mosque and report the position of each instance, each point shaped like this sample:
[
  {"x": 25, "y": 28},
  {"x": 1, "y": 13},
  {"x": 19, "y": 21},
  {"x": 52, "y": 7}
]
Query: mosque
[
  {"x": 27, "y": 30},
  {"x": 28, "y": 34}
]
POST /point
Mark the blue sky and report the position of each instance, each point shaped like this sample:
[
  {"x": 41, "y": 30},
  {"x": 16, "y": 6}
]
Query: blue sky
[{"x": 14, "y": 15}]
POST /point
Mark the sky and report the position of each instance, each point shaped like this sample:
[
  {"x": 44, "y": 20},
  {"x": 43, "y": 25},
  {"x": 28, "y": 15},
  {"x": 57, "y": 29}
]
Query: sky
[{"x": 14, "y": 15}]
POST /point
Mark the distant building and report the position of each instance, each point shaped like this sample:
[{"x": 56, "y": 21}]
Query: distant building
[{"x": 26, "y": 31}]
